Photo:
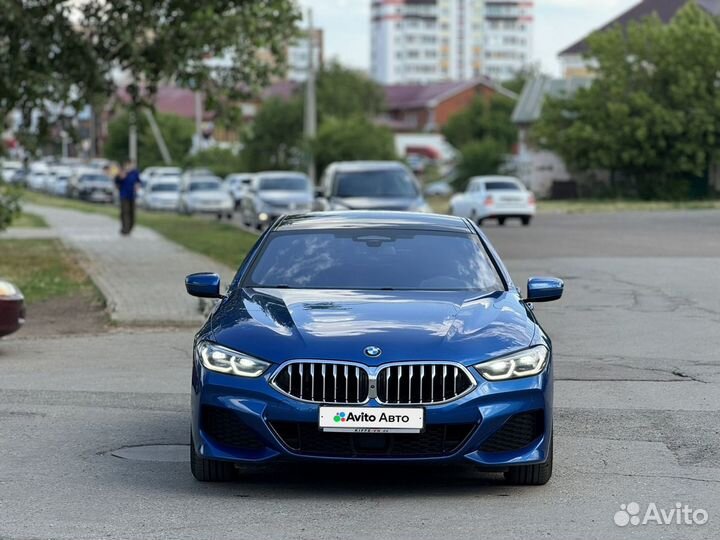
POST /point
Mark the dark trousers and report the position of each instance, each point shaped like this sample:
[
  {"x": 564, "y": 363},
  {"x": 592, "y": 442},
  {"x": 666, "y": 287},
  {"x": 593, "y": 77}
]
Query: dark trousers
[{"x": 127, "y": 215}]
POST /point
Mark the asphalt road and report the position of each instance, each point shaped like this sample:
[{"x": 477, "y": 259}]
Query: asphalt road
[{"x": 637, "y": 397}]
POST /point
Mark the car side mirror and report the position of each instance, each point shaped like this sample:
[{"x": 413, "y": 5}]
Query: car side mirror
[
  {"x": 203, "y": 285},
  {"x": 544, "y": 289}
]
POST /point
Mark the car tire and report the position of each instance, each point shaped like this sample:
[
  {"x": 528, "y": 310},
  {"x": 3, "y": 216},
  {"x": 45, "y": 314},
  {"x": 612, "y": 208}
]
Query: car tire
[
  {"x": 210, "y": 470},
  {"x": 531, "y": 475},
  {"x": 526, "y": 220},
  {"x": 501, "y": 221}
]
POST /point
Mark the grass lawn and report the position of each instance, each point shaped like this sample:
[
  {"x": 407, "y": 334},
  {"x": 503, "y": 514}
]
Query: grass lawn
[
  {"x": 29, "y": 220},
  {"x": 220, "y": 241},
  {"x": 43, "y": 270},
  {"x": 584, "y": 206}
]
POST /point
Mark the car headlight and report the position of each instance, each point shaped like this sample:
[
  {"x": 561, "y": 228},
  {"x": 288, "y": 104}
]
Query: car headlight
[
  {"x": 223, "y": 360},
  {"x": 515, "y": 366},
  {"x": 8, "y": 289}
]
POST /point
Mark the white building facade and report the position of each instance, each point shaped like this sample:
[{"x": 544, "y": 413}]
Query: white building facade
[
  {"x": 508, "y": 37},
  {"x": 424, "y": 41}
]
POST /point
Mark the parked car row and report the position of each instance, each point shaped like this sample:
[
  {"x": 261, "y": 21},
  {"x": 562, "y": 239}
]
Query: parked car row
[{"x": 260, "y": 198}]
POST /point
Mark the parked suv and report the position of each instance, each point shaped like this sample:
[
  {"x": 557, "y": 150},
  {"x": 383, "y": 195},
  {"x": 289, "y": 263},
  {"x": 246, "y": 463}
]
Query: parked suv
[{"x": 370, "y": 185}]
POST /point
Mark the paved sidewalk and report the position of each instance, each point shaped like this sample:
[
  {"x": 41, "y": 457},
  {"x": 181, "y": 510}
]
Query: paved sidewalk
[{"x": 141, "y": 276}]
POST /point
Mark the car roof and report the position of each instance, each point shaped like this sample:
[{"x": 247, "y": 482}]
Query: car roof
[
  {"x": 372, "y": 219},
  {"x": 283, "y": 174},
  {"x": 351, "y": 166}
]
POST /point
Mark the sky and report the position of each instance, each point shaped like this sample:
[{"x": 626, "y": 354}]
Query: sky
[{"x": 558, "y": 24}]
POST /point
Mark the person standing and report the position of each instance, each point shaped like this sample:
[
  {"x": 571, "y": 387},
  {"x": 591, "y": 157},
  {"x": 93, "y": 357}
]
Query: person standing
[{"x": 127, "y": 182}]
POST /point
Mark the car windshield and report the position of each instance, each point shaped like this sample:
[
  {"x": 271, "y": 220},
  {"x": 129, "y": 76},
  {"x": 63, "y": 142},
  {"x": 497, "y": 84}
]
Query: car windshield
[
  {"x": 502, "y": 186},
  {"x": 284, "y": 183},
  {"x": 375, "y": 259},
  {"x": 375, "y": 183},
  {"x": 157, "y": 188},
  {"x": 94, "y": 178},
  {"x": 204, "y": 186}
]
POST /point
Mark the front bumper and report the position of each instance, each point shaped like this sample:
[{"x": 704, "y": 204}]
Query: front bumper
[{"x": 482, "y": 423}]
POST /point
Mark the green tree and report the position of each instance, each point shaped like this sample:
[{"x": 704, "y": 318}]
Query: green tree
[
  {"x": 479, "y": 157},
  {"x": 483, "y": 119},
  {"x": 652, "y": 115},
  {"x": 176, "y": 131},
  {"x": 343, "y": 92},
  {"x": 275, "y": 140},
  {"x": 60, "y": 51},
  {"x": 341, "y": 139},
  {"x": 220, "y": 161}
]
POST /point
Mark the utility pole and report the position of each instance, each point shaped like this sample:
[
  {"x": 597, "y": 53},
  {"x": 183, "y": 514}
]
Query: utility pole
[
  {"x": 159, "y": 140},
  {"x": 310, "y": 97},
  {"x": 198, "y": 119},
  {"x": 132, "y": 137}
]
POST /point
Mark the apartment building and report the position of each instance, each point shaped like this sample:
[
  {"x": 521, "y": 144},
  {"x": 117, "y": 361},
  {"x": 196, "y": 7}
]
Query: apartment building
[{"x": 426, "y": 41}]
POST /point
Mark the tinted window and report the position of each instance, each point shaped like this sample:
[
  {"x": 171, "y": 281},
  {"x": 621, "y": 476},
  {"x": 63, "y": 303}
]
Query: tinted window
[
  {"x": 374, "y": 259},
  {"x": 382, "y": 183},
  {"x": 204, "y": 186},
  {"x": 502, "y": 186},
  {"x": 286, "y": 183},
  {"x": 157, "y": 188}
]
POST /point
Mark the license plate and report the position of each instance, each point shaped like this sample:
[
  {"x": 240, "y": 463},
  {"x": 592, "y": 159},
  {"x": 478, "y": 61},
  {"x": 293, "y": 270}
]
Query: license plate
[{"x": 372, "y": 419}]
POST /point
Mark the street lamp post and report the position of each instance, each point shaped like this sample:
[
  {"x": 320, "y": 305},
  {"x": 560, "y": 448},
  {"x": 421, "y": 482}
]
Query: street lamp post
[{"x": 310, "y": 98}]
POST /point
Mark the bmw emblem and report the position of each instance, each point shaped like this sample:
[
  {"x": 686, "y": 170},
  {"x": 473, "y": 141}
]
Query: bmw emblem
[{"x": 372, "y": 351}]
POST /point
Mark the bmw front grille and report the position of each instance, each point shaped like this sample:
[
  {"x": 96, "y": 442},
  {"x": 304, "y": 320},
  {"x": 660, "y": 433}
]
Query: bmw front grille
[
  {"x": 392, "y": 384},
  {"x": 323, "y": 382}
]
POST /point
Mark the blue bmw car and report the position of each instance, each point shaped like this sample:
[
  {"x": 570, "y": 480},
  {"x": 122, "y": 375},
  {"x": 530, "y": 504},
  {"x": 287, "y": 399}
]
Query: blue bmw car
[{"x": 376, "y": 337}]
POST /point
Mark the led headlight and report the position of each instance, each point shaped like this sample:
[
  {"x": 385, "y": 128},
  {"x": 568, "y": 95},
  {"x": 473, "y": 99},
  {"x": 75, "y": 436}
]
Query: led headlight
[
  {"x": 521, "y": 364},
  {"x": 223, "y": 360},
  {"x": 8, "y": 289}
]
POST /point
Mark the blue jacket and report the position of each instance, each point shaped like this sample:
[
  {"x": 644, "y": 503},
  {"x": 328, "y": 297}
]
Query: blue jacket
[{"x": 126, "y": 185}]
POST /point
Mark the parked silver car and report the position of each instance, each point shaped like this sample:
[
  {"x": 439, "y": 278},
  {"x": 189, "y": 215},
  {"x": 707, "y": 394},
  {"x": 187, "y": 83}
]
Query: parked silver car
[
  {"x": 161, "y": 193},
  {"x": 272, "y": 194},
  {"x": 204, "y": 195}
]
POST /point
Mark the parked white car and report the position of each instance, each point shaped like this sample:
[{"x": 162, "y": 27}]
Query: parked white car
[
  {"x": 494, "y": 197},
  {"x": 237, "y": 185},
  {"x": 157, "y": 173},
  {"x": 204, "y": 194},
  {"x": 9, "y": 168},
  {"x": 161, "y": 193}
]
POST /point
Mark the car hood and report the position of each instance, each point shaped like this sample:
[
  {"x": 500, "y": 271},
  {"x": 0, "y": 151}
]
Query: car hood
[
  {"x": 163, "y": 196},
  {"x": 377, "y": 203},
  {"x": 208, "y": 195},
  {"x": 285, "y": 197},
  {"x": 284, "y": 324}
]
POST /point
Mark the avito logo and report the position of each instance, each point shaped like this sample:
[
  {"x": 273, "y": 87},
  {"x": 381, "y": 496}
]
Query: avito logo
[{"x": 366, "y": 417}]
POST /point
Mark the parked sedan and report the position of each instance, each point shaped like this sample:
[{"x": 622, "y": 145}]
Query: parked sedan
[
  {"x": 272, "y": 194},
  {"x": 494, "y": 197},
  {"x": 93, "y": 186},
  {"x": 237, "y": 185},
  {"x": 204, "y": 194},
  {"x": 373, "y": 337},
  {"x": 370, "y": 185},
  {"x": 12, "y": 308},
  {"x": 161, "y": 194}
]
